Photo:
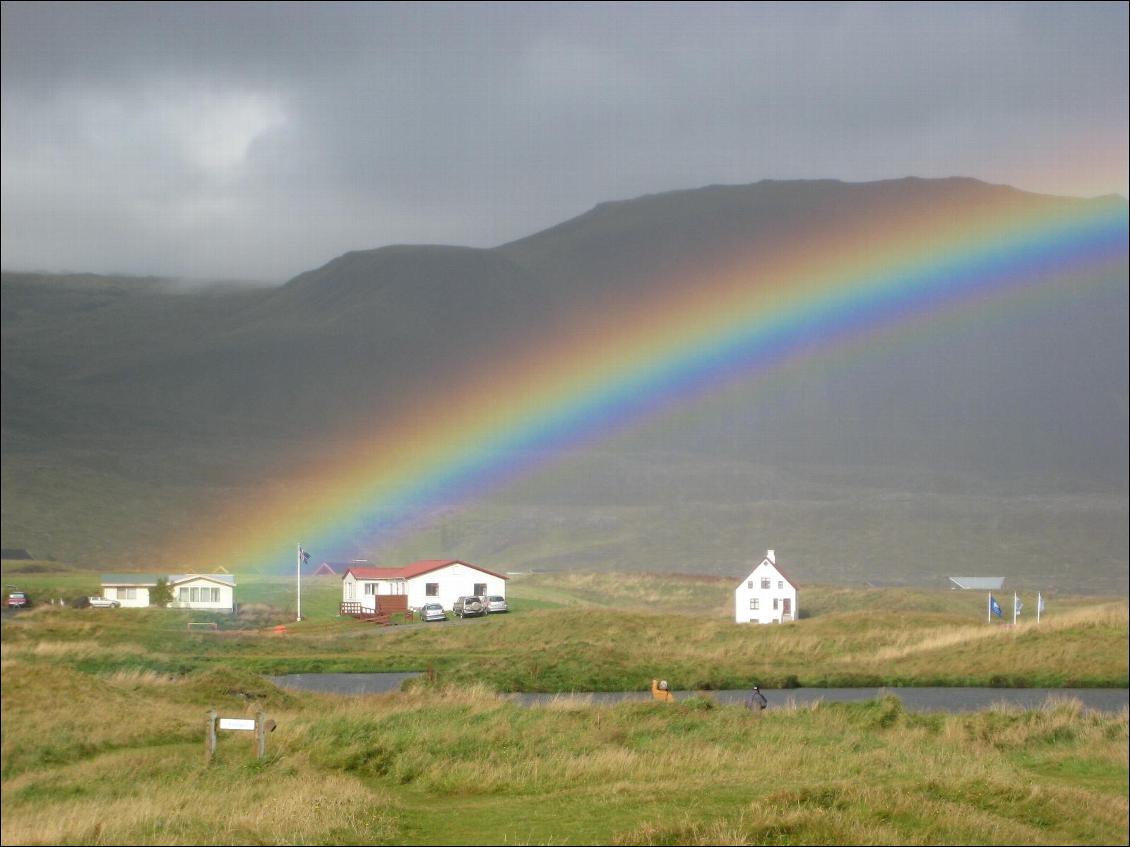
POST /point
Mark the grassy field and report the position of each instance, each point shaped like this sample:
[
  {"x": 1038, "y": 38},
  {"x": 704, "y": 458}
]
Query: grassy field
[
  {"x": 103, "y": 722},
  {"x": 606, "y": 632}
]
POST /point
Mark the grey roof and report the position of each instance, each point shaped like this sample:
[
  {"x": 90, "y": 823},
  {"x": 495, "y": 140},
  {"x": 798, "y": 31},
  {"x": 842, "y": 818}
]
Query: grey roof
[
  {"x": 225, "y": 578},
  {"x": 130, "y": 578},
  {"x": 150, "y": 579},
  {"x": 978, "y": 583}
]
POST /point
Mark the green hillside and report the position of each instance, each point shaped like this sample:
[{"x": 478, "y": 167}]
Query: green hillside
[{"x": 135, "y": 410}]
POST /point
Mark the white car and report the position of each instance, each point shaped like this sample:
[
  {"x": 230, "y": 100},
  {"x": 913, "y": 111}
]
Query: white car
[
  {"x": 497, "y": 603},
  {"x": 103, "y": 603}
]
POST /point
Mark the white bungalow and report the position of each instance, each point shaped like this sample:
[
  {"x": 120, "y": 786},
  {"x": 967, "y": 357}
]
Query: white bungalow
[
  {"x": 766, "y": 595},
  {"x": 209, "y": 592},
  {"x": 429, "y": 581},
  {"x": 214, "y": 592}
]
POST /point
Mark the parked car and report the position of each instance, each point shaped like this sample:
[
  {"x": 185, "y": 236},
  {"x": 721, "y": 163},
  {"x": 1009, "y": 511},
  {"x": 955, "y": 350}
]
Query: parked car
[
  {"x": 469, "y": 607},
  {"x": 432, "y": 612},
  {"x": 497, "y": 603},
  {"x": 102, "y": 603},
  {"x": 18, "y": 600}
]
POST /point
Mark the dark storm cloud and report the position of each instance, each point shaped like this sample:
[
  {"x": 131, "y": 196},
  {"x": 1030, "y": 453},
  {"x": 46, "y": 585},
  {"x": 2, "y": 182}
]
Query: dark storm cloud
[{"x": 260, "y": 140}]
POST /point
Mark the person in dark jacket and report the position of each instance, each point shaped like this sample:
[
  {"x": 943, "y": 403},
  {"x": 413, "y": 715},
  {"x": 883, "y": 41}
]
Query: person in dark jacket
[{"x": 756, "y": 701}]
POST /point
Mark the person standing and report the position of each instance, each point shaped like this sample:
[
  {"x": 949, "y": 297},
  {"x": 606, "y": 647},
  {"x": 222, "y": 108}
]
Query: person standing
[{"x": 756, "y": 701}]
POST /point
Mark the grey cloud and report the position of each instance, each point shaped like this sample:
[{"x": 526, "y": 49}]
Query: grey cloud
[{"x": 282, "y": 134}]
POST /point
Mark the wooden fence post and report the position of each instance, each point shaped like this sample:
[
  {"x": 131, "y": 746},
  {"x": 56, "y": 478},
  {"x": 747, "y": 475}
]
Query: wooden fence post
[
  {"x": 261, "y": 734},
  {"x": 210, "y": 736}
]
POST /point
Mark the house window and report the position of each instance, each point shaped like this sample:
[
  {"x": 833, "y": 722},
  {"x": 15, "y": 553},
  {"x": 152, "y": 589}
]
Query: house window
[
  {"x": 480, "y": 588},
  {"x": 780, "y": 583},
  {"x": 765, "y": 582},
  {"x": 182, "y": 595},
  {"x": 774, "y": 604},
  {"x": 203, "y": 594},
  {"x": 127, "y": 593},
  {"x": 431, "y": 589},
  {"x": 749, "y": 584},
  {"x": 370, "y": 589},
  {"x": 754, "y": 604}
]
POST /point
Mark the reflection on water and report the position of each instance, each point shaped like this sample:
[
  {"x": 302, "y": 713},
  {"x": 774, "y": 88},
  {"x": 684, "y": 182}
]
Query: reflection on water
[{"x": 914, "y": 699}]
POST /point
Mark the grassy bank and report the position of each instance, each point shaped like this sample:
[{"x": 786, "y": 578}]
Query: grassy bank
[
  {"x": 103, "y": 722},
  {"x": 585, "y": 632},
  {"x": 117, "y": 758}
]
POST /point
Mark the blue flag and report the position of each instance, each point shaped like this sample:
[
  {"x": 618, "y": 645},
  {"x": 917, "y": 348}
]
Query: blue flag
[{"x": 994, "y": 606}]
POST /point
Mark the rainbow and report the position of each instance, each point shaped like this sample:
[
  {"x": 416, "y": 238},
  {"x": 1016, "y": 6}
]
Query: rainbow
[{"x": 728, "y": 318}]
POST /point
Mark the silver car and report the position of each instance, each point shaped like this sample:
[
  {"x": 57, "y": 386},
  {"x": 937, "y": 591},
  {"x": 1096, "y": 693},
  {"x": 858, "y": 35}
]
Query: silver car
[
  {"x": 497, "y": 603},
  {"x": 469, "y": 607},
  {"x": 103, "y": 603},
  {"x": 432, "y": 612}
]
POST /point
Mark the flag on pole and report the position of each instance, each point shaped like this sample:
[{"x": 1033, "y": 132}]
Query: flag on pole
[
  {"x": 994, "y": 606},
  {"x": 1016, "y": 604},
  {"x": 305, "y": 556}
]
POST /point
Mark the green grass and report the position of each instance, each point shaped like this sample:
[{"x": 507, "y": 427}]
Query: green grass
[
  {"x": 458, "y": 765},
  {"x": 102, "y": 723},
  {"x": 606, "y": 632}
]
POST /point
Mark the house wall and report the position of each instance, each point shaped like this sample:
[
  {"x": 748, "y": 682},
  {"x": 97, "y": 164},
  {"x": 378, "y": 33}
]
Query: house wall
[
  {"x": 779, "y": 590},
  {"x": 225, "y": 603},
  {"x": 452, "y": 582},
  {"x": 354, "y": 590},
  {"x": 139, "y": 601}
]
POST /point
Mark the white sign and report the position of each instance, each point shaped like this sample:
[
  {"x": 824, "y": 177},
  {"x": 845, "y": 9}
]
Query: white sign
[{"x": 238, "y": 723}]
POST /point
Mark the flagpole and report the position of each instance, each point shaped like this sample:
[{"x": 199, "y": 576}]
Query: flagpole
[
  {"x": 1039, "y": 605},
  {"x": 989, "y": 609},
  {"x": 298, "y": 581},
  {"x": 1014, "y": 608}
]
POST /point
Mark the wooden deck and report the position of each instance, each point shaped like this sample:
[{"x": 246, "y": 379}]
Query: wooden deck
[{"x": 387, "y": 606}]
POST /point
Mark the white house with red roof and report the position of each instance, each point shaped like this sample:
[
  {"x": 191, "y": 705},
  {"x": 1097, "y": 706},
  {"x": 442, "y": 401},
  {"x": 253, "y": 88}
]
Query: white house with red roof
[
  {"x": 429, "y": 581},
  {"x": 766, "y": 595}
]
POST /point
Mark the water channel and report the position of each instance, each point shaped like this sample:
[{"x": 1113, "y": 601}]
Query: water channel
[{"x": 914, "y": 699}]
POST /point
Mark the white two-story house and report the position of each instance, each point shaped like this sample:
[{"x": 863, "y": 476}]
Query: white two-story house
[{"x": 766, "y": 595}]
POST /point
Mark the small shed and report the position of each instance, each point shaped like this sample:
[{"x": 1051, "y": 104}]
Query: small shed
[
  {"x": 131, "y": 590},
  {"x": 977, "y": 583},
  {"x": 766, "y": 595}
]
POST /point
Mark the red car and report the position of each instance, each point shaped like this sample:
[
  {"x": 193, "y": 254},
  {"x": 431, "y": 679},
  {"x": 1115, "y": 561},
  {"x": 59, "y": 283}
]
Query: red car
[{"x": 17, "y": 600}]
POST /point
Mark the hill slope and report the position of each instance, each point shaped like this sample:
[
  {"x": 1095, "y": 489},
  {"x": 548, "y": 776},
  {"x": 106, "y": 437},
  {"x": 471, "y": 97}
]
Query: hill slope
[{"x": 999, "y": 443}]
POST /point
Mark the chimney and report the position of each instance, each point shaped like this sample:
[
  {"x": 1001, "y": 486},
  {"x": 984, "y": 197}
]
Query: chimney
[{"x": 771, "y": 557}]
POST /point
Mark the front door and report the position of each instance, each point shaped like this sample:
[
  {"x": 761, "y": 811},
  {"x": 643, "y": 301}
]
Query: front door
[{"x": 787, "y": 608}]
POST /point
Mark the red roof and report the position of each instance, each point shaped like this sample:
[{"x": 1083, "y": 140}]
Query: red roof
[{"x": 413, "y": 569}]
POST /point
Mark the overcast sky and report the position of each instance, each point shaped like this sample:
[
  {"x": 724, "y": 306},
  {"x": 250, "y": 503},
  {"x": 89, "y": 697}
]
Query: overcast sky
[{"x": 257, "y": 141}]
